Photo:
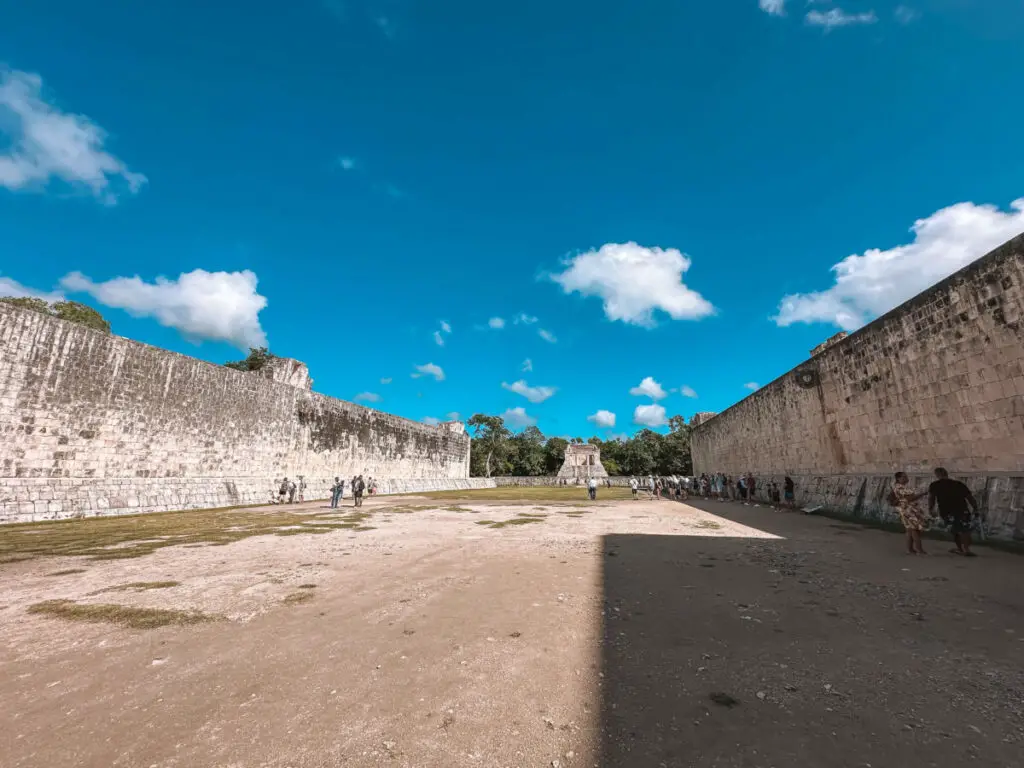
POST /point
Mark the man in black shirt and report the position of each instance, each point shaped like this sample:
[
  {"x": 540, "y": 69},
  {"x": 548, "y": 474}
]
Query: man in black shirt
[{"x": 955, "y": 506}]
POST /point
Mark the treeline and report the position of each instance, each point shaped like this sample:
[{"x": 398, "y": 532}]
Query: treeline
[{"x": 497, "y": 451}]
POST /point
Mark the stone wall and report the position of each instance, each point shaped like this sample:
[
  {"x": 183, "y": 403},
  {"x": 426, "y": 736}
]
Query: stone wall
[
  {"x": 938, "y": 381},
  {"x": 97, "y": 424}
]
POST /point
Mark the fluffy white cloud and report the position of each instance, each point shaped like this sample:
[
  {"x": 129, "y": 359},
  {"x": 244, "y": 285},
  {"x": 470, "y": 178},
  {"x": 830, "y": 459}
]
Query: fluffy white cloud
[
  {"x": 533, "y": 394},
  {"x": 446, "y": 327},
  {"x": 438, "y": 339},
  {"x": 517, "y": 418},
  {"x": 370, "y": 397},
  {"x": 548, "y": 336},
  {"x": 525, "y": 319},
  {"x": 650, "y": 415},
  {"x": 527, "y": 365},
  {"x": 44, "y": 143},
  {"x": 347, "y": 163},
  {"x": 648, "y": 388},
  {"x": 837, "y": 17},
  {"x": 687, "y": 391},
  {"x": 602, "y": 419},
  {"x": 12, "y": 288},
  {"x": 386, "y": 380},
  {"x": 496, "y": 322},
  {"x": 429, "y": 369},
  {"x": 774, "y": 7},
  {"x": 752, "y": 386},
  {"x": 634, "y": 281},
  {"x": 874, "y": 282},
  {"x": 211, "y": 306},
  {"x": 454, "y": 416},
  {"x": 431, "y": 421}
]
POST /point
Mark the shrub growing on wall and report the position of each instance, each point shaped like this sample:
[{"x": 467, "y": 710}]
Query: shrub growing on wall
[{"x": 71, "y": 311}]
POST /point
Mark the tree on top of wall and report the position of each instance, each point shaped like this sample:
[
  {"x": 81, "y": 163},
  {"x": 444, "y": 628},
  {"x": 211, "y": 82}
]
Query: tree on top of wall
[
  {"x": 257, "y": 358},
  {"x": 72, "y": 311}
]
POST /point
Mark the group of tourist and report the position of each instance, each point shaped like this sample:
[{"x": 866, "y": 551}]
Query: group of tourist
[
  {"x": 289, "y": 491},
  {"x": 359, "y": 487}
]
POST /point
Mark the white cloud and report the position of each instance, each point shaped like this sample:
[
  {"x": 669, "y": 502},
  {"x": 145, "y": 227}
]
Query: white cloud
[
  {"x": 650, "y": 415},
  {"x": 496, "y": 322},
  {"x": 874, "y": 282},
  {"x": 429, "y": 369},
  {"x": 12, "y": 288},
  {"x": 774, "y": 7},
  {"x": 602, "y": 419},
  {"x": 687, "y": 391},
  {"x": 347, "y": 163},
  {"x": 525, "y": 319},
  {"x": 45, "y": 143},
  {"x": 548, "y": 336},
  {"x": 446, "y": 327},
  {"x": 386, "y": 26},
  {"x": 370, "y": 397},
  {"x": 386, "y": 380},
  {"x": 527, "y": 365},
  {"x": 533, "y": 394},
  {"x": 431, "y": 421},
  {"x": 438, "y": 339},
  {"x": 211, "y": 306},
  {"x": 648, "y": 388},
  {"x": 454, "y": 416},
  {"x": 906, "y": 15},
  {"x": 634, "y": 281},
  {"x": 752, "y": 386},
  {"x": 837, "y": 17},
  {"x": 517, "y": 418}
]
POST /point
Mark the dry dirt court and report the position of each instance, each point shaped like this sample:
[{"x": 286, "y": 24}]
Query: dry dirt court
[{"x": 503, "y": 628}]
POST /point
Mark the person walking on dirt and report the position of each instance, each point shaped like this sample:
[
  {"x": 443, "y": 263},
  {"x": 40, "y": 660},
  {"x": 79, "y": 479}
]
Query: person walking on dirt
[
  {"x": 789, "y": 493},
  {"x": 357, "y": 490},
  {"x": 282, "y": 492},
  {"x": 592, "y": 489},
  {"x": 904, "y": 498},
  {"x": 634, "y": 486},
  {"x": 956, "y": 507},
  {"x": 336, "y": 492}
]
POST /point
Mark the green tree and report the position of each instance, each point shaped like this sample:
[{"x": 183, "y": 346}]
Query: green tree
[
  {"x": 554, "y": 454},
  {"x": 611, "y": 466},
  {"x": 72, "y": 311},
  {"x": 528, "y": 458},
  {"x": 256, "y": 359},
  {"x": 638, "y": 457},
  {"x": 675, "y": 458},
  {"x": 490, "y": 446}
]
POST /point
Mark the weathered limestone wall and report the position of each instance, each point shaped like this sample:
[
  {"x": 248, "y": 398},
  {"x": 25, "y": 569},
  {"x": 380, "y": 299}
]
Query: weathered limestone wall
[
  {"x": 938, "y": 381},
  {"x": 97, "y": 424}
]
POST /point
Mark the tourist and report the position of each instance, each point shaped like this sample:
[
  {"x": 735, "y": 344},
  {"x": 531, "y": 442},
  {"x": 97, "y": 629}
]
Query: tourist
[
  {"x": 341, "y": 489},
  {"x": 751, "y": 488},
  {"x": 774, "y": 492},
  {"x": 904, "y": 498},
  {"x": 592, "y": 488},
  {"x": 741, "y": 486},
  {"x": 283, "y": 491},
  {"x": 358, "y": 486},
  {"x": 292, "y": 488},
  {"x": 651, "y": 488},
  {"x": 956, "y": 505},
  {"x": 336, "y": 492},
  {"x": 789, "y": 492},
  {"x": 633, "y": 487},
  {"x": 705, "y": 485}
]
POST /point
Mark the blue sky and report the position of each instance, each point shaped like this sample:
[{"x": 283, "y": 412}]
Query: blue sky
[{"x": 662, "y": 189}]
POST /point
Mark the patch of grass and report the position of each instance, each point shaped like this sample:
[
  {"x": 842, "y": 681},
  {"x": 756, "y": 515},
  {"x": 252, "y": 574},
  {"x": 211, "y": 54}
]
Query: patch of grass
[
  {"x": 13, "y": 559},
  {"x": 517, "y": 521},
  {"x": 295, "y": 598},
  {"x": 457, "y": 508},
  {"x": 121, "y": 615},
  {"x": 530, "y": 514},
  {"x": 307, "y": 586},
  {"x": 710, "y": 525},
  {"x": 67, "y": 572},
  {"x": 129, "y": 536},
  {"x": 526, "y": 494},
  {"x": 138, "y": 586}
]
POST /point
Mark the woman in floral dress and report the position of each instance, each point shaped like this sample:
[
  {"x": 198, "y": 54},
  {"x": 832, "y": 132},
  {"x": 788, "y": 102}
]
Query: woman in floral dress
[{"x": 904, "y": 498}]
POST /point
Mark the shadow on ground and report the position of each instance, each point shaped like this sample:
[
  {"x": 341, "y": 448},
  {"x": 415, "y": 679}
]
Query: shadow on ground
[{"x": 827, "y": 647}]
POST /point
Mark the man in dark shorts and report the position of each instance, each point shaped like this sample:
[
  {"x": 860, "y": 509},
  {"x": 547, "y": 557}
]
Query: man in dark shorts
[{"x": 956, "y": 505}]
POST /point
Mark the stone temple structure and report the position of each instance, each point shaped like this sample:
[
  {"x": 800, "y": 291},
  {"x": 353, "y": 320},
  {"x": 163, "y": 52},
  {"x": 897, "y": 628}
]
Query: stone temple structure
[{"x": 582, "y": 461}]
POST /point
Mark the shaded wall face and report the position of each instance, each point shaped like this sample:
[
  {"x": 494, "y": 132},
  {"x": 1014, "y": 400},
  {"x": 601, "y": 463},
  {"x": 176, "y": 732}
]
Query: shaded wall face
[
  {"x": 90, "y": 422},
  {"x": 939, "y": 381}
]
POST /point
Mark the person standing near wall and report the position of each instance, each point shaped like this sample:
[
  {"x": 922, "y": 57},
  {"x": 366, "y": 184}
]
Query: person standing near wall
[
  {"x": 634, "y": 486},
  {"x": 335, "y": 492},
  {"x": 789, "y": 493},
  {"x": 904, "y": 498},
  {"x": 956, "y": 505},
  {"x": 592, "y": 489},
  {"x": 282, "y": 491},
  {"x": 291, "y": 492},
  {"x": 358, "y": 486}
]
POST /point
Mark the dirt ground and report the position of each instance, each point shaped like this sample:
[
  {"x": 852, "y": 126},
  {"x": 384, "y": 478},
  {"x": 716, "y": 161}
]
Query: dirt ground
[{"x": 477, "y": 631}]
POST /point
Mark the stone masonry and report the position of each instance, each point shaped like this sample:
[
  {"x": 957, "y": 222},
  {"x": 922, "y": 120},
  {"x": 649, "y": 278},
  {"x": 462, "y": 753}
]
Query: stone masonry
[
  {"x": 938, "y": 381},
  {"x": 582, "y": 461},
  {"x": 97, "y": 424}
]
